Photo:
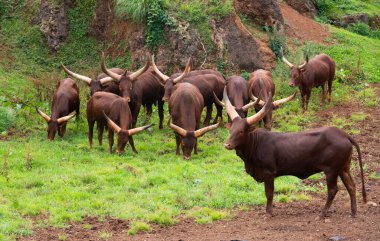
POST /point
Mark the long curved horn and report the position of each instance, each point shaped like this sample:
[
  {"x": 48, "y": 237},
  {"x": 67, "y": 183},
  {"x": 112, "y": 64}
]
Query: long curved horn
[
  {"x": 218, "y": 101},
  {"x": 136, "y": 74},
  {"x": 66, "y": 118},
  {"x": 162, "y": 76},
  {"x": 77, "y": 76},
  {"x": 254, "y": 98},
  {"x": 261, "y": 114},
  {"x": 177, "y": 129},
  {"x": 285, "y": 60},
  {"x": 105, "y": 80},
  {"x": 251, "y": 104},
  {"x": 302, "y": 65},
  {"x": 277, "y": 103},
  {"x": 108, "y": 72},
  {"x": 203, "y": 130},
  {"x": 185, "y": 72},
  {"x": 45, "y": 116},
  {"x": 138, "y": 129},
  {"x": 229, "y": 107},
  {"x": 112, "y": 124}
]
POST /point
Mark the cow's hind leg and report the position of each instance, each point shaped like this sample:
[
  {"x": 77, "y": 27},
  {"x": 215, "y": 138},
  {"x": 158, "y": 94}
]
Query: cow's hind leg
[
  {"x": 219, "y": 113},
  {"x": 206, "y": 122},
  {"x": 332, "y": 189},
  {"x": 90, "y": 131},
  {"x": 100, "y": 128},
  {"x": 110, "y": 139},
  {"x": 269, "y": 189},
  {"x": 323, "y": 94},
  {"x": 161, "y": 112},
  {"x": 349, "y": 183}
]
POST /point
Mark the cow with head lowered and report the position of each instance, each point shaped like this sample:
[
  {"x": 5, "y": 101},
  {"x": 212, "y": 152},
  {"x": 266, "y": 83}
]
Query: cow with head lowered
[
  {"x": 109, "y": 109},
  {"x": 207, "y": 82},
  {"x": 143, "y": 89},
  {"x": 65, "y": 101},
  {"x": 100, "y": 83},
  {"x": 261, "y": 85},
  {"x": 185, "y": 107},
  {"x": 315, "y": 72},
  {"x": 268, "y": 155}
]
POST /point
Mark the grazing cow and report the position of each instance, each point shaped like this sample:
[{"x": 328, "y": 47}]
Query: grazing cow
[
  {"x": 261, "y": 85},
  {"x": 99, "y": 84},
  {"x": 310, "y": 74},
  {"x": 237, "y": 91},
  {"x": 207, "y": 81},
  {"x": 65, "y": 101},
  {"x": 267, "y": 155},
  {"x": 185, "y": 106},
  {"x": 146, "y": 89},
  {"x": 103, "y": 108}
]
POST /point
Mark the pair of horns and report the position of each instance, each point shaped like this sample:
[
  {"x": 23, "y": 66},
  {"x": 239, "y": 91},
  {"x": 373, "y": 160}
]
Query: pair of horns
[
  {"x": 86, "y": 79},
  {"x": 117, "y": 128},
  {"x": 244, "y": 108},
  {"x": 276, "y": 103},
  {"x": 59, "y": 120},
  {"x": 290, "y": 64},
  {"x": 117, "y": 77},
  {"x": 197, "y": 133},
  {"x": 165, "y": 77},
  {"x": 252, "y": 119}
]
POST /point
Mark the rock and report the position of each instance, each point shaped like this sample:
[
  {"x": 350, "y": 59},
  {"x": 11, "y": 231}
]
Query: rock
[
  {"x": 350, "y": 19},
  {"x": 374, "y": 22},
  {"x": 54, "y": 22},
  {"x": 327, "y": 220},
  {"x": 304, "y": 7},
  {"x": 102, "y": 19},
  {"x": 260, "y": 12},
  {"x": 337, "y": 238},
  {"x": 372, "y": 204}
]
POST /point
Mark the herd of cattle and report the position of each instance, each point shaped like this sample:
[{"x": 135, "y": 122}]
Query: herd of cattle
[{"x": 117, "y": 96}]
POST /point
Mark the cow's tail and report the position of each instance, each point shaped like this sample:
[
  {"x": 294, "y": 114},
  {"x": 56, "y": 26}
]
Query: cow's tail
[{"x": 353, "y": 142}]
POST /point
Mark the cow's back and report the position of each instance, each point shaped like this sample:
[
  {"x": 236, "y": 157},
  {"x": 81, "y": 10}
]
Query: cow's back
[
  {"x": 237, "y": 91},
  {"x": 147, "y": 88},
  {"x": 99, "y": 102},
  {"x": 261, "y": 83},
  {"x": 65, "y": 99}
]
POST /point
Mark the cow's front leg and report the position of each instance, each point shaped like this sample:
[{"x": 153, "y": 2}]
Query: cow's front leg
[
  {"x": 332, "y": 189},
  {"x": 269, "y": 189},
  {"x": 323, "y": 94},
  {"x": 206, "y": 122}
]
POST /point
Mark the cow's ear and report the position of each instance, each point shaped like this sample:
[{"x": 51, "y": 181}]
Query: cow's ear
[
  {"x": 228, "y": 125},
  {"x": 301, "y": 70}
]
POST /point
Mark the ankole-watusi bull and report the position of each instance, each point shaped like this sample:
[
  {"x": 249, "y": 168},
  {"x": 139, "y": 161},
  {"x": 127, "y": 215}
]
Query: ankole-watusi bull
[
  {"x": 261, "y": 85},
  {"x": 107, "y": 108},
  {"x": 185, "y": 107},
  {"x": 145, "y": 89},
  {"x": 237, "y": 91},
  {"x": 65, "y": 101},
  {"x": 310, "y": 74},
  {"x": 100, "y": 83},
  {"x": 268, "y": 155},
  {"x": 207, "y": 81}
]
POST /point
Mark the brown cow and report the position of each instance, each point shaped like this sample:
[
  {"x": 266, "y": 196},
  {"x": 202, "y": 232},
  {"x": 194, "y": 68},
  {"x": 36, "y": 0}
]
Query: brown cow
[
  {"x": 65, "y": 101},
  {"x": 207, "y": 81},
  {"x": 103, "y": 108},
  {"x": 261, "y": 85},
  {"x": 268, "y": 155},
  {"x": 98, "y": 84},
  {"x": 185, "y": 106},
  {"x": 310, "y": 74}
]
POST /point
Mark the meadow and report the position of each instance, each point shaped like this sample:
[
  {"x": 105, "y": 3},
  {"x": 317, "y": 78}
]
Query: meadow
[{"x": 55, "y": 183}]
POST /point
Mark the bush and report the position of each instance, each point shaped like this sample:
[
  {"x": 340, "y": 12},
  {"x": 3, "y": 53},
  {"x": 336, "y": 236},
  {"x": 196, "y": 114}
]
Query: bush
[
  {"x": 6, "y": 118},
  {"x": 277, "y": 40},
  {"x": 364, "y": 30}
]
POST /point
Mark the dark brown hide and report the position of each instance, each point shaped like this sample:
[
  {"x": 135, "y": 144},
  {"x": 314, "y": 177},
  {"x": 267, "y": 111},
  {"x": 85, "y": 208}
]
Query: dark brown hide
[
  {"x": 267, "y": 155},
  {"x": 185, "y": 106},
  {"x": 237, "y": 91},
  {"x": 315, "y": 73},
  {"x": 65, "y": 101},
  {"x": 260, "y": 85},
  {"x": 207, "y": 81},
  {"x": 117, "y": 109}
]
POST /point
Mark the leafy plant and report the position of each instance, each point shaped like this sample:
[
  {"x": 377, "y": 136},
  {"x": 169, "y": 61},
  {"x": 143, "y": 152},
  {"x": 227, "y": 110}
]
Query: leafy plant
[
  {"x": 277, "y": 39},
  {"x": 6, "y": 118},
  {"x": 364, "y": 30}
]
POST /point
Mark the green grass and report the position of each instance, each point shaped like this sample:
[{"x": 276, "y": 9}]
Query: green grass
[
  {"x": 339, "y": 8},
  {"x": 138, "y": 227}
]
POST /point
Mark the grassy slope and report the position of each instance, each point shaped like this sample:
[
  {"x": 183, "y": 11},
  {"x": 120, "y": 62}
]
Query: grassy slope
[
  {"x": 67, "y": 180},
  {"x": 339, "y": 8}
]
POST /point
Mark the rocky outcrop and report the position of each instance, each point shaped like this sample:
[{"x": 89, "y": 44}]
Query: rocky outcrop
[
  {"x": 54, "y": 22},
  {"x": 374, "y": 22},
  {"x": 351, "y": 19},
  {"x": 260, "y": 12},
  {"x": 102, "y": 19},
  {"x": 304, "y": 7}
]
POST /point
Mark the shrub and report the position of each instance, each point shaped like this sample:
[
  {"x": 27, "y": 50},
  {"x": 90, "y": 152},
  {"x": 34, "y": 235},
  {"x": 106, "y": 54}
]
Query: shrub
[
  {"x": 6, "y": 118},
  {"x": 364, "y": 30},
  {"x": 277, "y": 40}
]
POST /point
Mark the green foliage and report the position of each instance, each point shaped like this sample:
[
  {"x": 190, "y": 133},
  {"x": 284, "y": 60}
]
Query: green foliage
[
  {"x": 6, "y": 118},
  {"x": 138, "y": 227},
  {"x": 329, "y": 9},
  {"x": 244, "y": 74},
  {"x": 207, "y": 215},
  {"x": 364, "y": 30},
  {"x": 277, "y": 40}
]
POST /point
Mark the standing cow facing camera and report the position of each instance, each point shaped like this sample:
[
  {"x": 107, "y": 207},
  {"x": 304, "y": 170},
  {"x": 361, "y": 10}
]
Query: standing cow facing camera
[
  {"x": 112, "y": 110},
  {"x": 319, "y": 71},
  {"x": 65, "y": 101},
  {"x": 261, "y": 86},
  {"x": 268, "y": 155}
]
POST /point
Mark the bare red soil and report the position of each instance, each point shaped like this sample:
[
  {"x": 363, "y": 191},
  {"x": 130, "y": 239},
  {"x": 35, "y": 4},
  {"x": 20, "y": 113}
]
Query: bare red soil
[{"x": 303, "y": 28}]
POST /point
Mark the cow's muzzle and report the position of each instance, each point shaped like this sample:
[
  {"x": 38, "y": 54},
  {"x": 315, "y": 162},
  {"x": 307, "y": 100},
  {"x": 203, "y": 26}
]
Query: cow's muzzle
[
  {"x": 228, "y": 146},
  {"x": 291, "y": 84}
]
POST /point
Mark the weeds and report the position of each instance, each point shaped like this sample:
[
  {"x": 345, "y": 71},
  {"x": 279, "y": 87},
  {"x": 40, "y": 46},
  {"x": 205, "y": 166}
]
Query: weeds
[{"x": 137, "y": 227}]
